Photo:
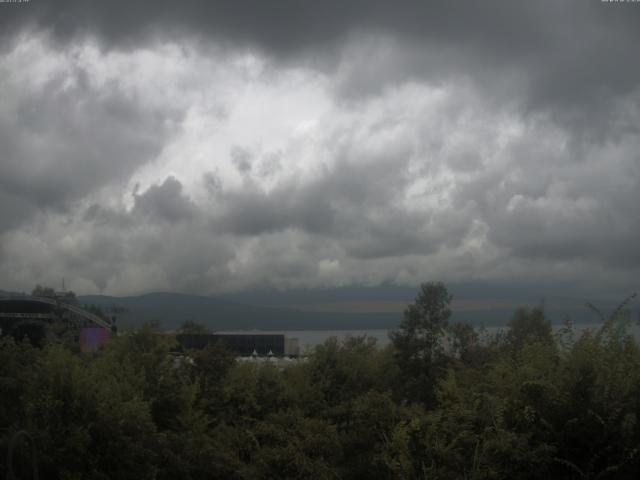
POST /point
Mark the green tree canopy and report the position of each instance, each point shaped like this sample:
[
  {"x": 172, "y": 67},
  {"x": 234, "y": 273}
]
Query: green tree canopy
[
  {"x": 189, "y": 326},
  {"x": 419, "y": 341},
  {"x": 529, "y": 326}
]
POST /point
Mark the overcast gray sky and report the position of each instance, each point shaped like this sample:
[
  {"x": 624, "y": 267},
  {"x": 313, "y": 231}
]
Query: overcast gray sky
[{"x": 214, "y": 146}]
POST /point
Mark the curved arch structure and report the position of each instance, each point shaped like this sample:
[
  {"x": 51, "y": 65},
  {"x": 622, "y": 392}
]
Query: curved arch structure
[
  {"x": 66, "y": 306},
  {"x": 72, "y": 308}
]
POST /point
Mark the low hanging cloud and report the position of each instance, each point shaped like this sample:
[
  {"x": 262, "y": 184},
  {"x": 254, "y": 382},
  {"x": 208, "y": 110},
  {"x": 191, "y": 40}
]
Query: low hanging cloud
[{"x": 202, "y": 147}]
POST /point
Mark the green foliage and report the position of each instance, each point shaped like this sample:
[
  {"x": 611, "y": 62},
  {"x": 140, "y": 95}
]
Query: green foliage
[
  {"x": 189, "y": 326},
  {"x": 85, "y": 419},
  {"x": 290, "y": 446},
  {"x": 529, "y": 326},
  {"x": 419, "y": 341},
  {"x": 439, "y": 403}
]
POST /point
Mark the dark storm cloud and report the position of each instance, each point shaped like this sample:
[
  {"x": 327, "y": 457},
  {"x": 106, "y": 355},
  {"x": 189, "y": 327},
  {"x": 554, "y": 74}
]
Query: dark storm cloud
[
  {"x": 508, "y": 142},
  {"x": 560, "y": 53},
  {"x": 570, "y": 229},
  {"x": 62, "y": 138},
  {"x": 252, "y": 211},
  {"x": 334, "y": 201},
  {"x": 354, "y": 204},
  {"x": 166, "y": 202},
  {"x": 160, "y": 242},
  {"x": 13, "y": 211},
  {"x": 554, "y": 203}
]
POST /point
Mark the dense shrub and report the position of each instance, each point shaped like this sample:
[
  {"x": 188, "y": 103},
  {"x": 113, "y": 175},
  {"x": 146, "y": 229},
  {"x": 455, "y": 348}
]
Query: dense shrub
[{"x": 526, "y": 404}]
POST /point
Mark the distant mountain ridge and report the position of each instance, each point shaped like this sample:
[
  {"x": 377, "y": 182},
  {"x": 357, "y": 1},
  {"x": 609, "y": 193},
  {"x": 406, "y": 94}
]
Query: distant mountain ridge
[
  {"x": 171, "y": 309},
  {"x": 337, "y": 308}
]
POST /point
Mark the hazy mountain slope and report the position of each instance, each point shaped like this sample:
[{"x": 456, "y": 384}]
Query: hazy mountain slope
[
  {"x": 171, "y": 309},
  {"x": 347, "y": 308}
]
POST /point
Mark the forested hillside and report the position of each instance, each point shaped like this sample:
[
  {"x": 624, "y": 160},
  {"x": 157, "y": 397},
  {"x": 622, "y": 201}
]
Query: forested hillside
[{"x": 440, "y": 402}]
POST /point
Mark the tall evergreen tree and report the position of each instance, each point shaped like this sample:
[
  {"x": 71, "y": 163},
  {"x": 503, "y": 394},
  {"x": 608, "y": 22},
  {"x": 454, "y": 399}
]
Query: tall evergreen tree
[{"x": 420, "y": 341}]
